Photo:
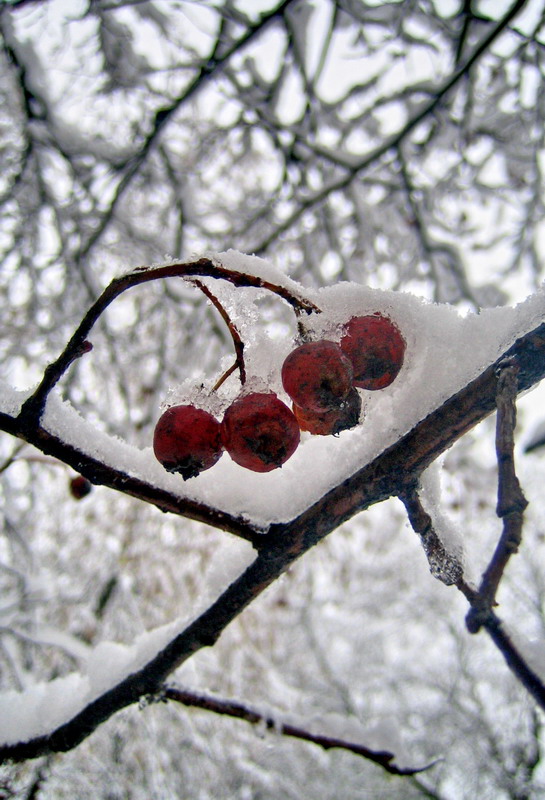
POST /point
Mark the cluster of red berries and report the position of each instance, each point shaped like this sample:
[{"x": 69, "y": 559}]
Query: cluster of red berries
[{"x": 259, "y": 431}]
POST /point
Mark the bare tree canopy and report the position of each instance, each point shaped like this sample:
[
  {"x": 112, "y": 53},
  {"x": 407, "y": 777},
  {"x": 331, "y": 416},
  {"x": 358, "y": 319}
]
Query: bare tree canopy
[{"x": 189, "y": 191}]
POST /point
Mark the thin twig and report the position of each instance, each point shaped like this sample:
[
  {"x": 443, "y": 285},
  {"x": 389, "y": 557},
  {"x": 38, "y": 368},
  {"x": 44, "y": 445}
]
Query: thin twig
[
  {"x": 240, "y": 711},
  {"x": 222, "y": 378},
  {"x": 12, "y": 458},
  {"x": 511, "y": 501},
  {"x": 514, "y": 659},
  {"x": 466, "y": 14},
  {"x": 214, "y": 63}
]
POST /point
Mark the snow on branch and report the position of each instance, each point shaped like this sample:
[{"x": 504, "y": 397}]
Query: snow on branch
[
  {"x": 413, "y": 423},
  {"x": 234, "y": 499}
]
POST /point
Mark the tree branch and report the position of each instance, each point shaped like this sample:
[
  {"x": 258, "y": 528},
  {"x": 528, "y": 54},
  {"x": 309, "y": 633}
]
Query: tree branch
[
  {"x": 511, "y": 504},
  {"x": 480, "y": 610},
  {"x": 231, "y": 708},
  {"x": 513, "y": 658},
  {"x": 386, "y": 476}
]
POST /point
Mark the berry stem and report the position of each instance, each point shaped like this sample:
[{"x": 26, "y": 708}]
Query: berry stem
[
  {"x": 225, "y": 375},
  {"x": 235, "y": 336}
]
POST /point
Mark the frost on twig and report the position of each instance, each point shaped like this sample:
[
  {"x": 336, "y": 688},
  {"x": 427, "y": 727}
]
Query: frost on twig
[
  {"x": 444, "y": 566},
  {"x": 449, "y": 570}
]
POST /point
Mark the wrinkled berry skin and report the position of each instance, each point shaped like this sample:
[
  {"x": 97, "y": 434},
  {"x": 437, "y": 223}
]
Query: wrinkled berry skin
[
  {"x": 376, "y": 349},
  {"x": 260, "y": 432},
  {"x": 187, "y": 440},
  {"x": 317, "y": 376},
  {"x": 332, "y": 422},
  {"x": 80, "y": 487}
]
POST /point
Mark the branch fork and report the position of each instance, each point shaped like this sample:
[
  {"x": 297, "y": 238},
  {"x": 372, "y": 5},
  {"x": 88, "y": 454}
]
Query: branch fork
[{"x": 510, "y": 508}]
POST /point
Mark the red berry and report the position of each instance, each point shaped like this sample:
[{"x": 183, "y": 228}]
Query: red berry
[
  {"x": 80, "y": 487},
  {"x": 260, "y": 432},
  {"x": 317, "y": 376},
  {"x": 324, "y": 423},
  {"x": 376, "y": 349},
  {"x": 187, "y": 440}
]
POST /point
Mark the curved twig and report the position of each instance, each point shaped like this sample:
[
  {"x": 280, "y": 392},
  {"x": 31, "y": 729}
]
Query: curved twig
[{"x": 32, "y": 409}]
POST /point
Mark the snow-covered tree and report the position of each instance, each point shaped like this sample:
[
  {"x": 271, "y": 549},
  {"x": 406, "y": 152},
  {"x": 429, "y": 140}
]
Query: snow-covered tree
[{"x": 189, "y": 190}]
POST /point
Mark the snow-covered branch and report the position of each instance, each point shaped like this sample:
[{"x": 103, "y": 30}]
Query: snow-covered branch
[{"x": 392, "y": 473}]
